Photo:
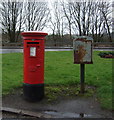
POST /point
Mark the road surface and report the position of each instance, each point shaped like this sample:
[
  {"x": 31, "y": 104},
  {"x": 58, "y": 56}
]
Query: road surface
[{"x": 21, "y": 50}]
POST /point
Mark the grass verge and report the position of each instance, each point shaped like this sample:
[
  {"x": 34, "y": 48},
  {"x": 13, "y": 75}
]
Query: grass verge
[{"x": 60, "y": 71}]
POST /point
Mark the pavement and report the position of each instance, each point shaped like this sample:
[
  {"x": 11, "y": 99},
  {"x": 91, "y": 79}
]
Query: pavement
[{"x": 76, "y": 107}]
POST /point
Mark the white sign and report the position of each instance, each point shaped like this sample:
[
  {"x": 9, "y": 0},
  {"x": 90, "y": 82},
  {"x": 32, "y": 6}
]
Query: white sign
[{"x": 32, "y": 51}]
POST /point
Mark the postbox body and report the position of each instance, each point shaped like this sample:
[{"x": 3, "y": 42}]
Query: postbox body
[
  {"x": 33, "y": 65},
  {"x": 34, "y": 62},
  {"x": 82, "y": 46}
]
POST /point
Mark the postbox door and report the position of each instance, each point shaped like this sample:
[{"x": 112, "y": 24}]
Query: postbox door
[{"x": 35, "y": 63}]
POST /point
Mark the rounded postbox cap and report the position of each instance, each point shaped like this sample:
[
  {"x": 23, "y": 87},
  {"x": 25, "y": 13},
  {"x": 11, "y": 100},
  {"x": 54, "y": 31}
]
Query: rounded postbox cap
[{"x": 34, "y": 33}]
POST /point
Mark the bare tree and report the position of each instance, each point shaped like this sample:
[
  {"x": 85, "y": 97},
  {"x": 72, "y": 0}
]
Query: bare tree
[
  {"x": 57, "y": 21},
  {"x": 105, "y": 9},
  {"x": 82, "y": 16},
  {"x": 76, "y": 7},
  {"x": 11, "y": 18},
  {"x": 37, "y": 15},
  {"x": 52, "y": 26},
  {"x": 91, "y": 18},
  {"x": 89, "y": 13},
  {"x": 100, "y": 14},
  {"x": 67, "y": 9},
  {"x": 57, "y": 18},
  {"x": 96, "y": 22}
]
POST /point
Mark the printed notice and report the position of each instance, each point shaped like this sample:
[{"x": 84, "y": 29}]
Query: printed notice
[{"x": 32, "y": 51}]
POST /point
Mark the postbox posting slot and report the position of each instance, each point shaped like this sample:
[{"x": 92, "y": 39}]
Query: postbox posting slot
[{"x": 32, "y": 42}]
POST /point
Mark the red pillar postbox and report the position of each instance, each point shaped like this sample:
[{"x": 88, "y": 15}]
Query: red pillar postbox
[{"x": 33, "y": 87}]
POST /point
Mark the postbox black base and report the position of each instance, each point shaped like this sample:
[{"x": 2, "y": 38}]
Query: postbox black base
[{"x": 33, "y": 92}]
